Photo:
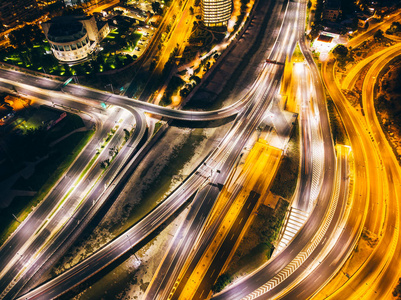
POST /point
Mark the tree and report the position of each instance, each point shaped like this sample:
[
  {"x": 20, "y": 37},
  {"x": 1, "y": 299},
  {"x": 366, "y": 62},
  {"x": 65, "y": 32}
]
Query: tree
[
  {"x": 223, "y": 280},
  {"x": 394, "y": 28},
  {"x": 195, "y": 78},
  {"x": 126, "y": 134},
  {"x": 119, "y": 61},
  {"x": 397, "y": 290},
  {"x": 74, "y": 11},
  {"x": 104, "y": 164},
  {"x": 156, "y": 7},
  {"x": 25, "y": 36},
  {"x": 378, "y": 35},
  {"x": 184, "y": 92},
  {"x": 340, "y": 52}
]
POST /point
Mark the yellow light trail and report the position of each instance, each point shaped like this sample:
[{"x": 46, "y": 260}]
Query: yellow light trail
[{"x": 257, "y": 174}]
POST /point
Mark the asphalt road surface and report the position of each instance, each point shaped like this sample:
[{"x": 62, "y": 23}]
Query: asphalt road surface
[{"x": 18, "y": 250}]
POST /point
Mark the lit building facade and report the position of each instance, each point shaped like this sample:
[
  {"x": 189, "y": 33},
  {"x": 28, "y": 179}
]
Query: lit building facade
[
  {"x": 216, "y": 12},
  {"x": 73, "y": 38}
]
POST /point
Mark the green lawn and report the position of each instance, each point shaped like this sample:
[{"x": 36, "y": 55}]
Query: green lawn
[
  {"x": 45, "y": 175},
  {"x": 37, "y": 57}
]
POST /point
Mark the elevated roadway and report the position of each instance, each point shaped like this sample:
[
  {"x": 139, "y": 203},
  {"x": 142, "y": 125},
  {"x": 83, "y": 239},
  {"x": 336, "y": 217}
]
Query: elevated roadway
[
  {"x": 18, "y": 251},
  {"x": 182, "y": 251},
  {"x": 267, "y": 272},
  {"x": 27, "y": 84},
  {"x": 359, "y": 214},
  {"x": 134, "y": 236},
  {"x": 226, "y": 154}
]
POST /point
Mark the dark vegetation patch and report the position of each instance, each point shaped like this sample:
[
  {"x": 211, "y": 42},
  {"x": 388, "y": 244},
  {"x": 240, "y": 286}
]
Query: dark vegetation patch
[
  {"x": 336, "y": 124},
  {"x": 45, "y": 175},
  {"x": 256, "y": 247},
  {"x": 388, "y": 103},
  {"x": 285, "y": 182}
]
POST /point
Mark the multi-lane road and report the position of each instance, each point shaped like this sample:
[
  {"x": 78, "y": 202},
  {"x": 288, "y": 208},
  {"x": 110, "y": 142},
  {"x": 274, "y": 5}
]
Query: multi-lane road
[
  {"x": 48, "y": 226},
  {"x": 23, "y": 83},
  {"x": 243, "y": 133},
  {"x": 307, "y": 232},
  {"x": 250, "y": 110},
  {"x": 378, "y": 181},
  {"x": 133, "y": 236}
]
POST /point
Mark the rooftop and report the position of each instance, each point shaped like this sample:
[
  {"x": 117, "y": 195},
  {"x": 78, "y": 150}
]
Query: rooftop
[
  {"x": 66, "y": 32},
  {"x": 333, "y": 4},
  {"x": 325, "y": 38}
]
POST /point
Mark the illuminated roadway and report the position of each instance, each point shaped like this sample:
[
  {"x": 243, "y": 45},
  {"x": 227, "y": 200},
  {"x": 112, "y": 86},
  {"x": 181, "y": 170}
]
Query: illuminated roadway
[
  {"x": 349, "y": 234},
  {"x": 183, "y": 250},
  {"x": 267, "y": 272},
  {"x": 178, "y": 35},
  {"x": 28, "y": 227},
  {"x": 389, "y": 254},
  {"x": 303, "y": 192},
  {"x": 300, "y": 233},
  {"x": 24, "y": 82},
  {"x": 327, "y": 180},
  {"x": 18, "y": 250},
  {"x": 382, "y": 25},
  {"x": 133, "y": 236},
  {"x": 187, "y": 236},
  {"x": 160, "y": 287},
  {"x": 189, "y": 233},
  {"x": 227, "y": 152},
  {"x": 152, "y": 49},
  {"x": 379, "y": 272},
  {"x": 50, "y": 85}
]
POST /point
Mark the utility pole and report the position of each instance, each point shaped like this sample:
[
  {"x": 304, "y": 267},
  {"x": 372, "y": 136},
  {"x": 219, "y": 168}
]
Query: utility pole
[{"x": 16, "y": 219}]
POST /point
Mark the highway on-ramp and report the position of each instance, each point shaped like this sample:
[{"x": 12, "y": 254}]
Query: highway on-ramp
[
  {"x": 22, "y": 82},
  {"x": 19, "y": 250}
]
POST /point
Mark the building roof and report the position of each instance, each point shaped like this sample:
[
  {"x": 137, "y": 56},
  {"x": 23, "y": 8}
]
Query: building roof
[
  {"x": 69, "y": 18},
  {"x": 66, "y": 32},
  {"x": 333, "y": 4},
  {"x": 325, "y": 38}
]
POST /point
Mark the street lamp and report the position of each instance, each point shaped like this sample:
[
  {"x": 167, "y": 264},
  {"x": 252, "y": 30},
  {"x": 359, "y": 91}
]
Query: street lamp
[{"x": 110, "y": 84}]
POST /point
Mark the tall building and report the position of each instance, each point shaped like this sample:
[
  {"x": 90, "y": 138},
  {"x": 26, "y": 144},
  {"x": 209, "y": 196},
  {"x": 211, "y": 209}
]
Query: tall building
[
  {"x": 216, "y": 12},
  {"x": 73, "y": 38},
  {"x": 13, "y": 12},
  {"x": 332, "y": 10}
]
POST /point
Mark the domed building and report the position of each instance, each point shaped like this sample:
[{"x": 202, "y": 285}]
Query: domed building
[{"x": 73, "y": 38}]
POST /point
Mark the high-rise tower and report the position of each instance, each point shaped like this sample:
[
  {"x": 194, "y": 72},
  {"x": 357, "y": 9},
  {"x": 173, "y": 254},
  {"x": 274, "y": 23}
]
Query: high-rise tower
[{"x": 216, "y": 12}]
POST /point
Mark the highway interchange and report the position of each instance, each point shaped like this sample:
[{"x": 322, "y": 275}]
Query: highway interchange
[
  {"x": 322, "y": 228},
  {"x": 46, "y": 220},
  {"x": 285, "y": 33}
]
